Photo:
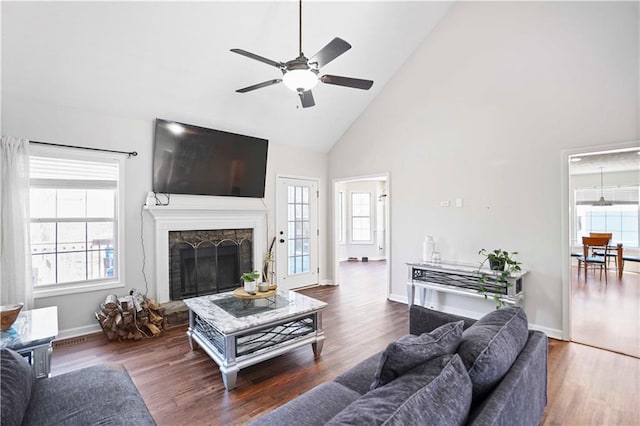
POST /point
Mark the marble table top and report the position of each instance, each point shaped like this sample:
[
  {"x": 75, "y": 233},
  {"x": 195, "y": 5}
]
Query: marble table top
[
  {"x": 32, "y": 327},
  {"x": 288, "y": 304}
]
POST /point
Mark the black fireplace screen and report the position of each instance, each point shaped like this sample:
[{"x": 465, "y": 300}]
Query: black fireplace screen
[{"x": 207, "y": 267}]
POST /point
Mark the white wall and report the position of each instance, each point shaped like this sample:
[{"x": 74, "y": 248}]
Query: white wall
[
  {"x": 482, "y": 111},
  {"x": 58, "y": 124}
]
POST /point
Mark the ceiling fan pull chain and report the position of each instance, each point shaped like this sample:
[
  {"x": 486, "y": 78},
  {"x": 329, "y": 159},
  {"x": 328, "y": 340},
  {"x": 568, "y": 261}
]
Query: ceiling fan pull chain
[{"x": 300, "y": 28}]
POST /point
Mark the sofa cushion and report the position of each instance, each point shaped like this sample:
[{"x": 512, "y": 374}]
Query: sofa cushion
[
  {"x": 312, "y": 408},
  {"x": 359, "y": 377},
  {"x": 490, "y": 346},
  {"x": 379, "y": 405},
  {"x": 16, "y": 382},
  {"x": 102, "y": 394},
  {"x": 443, "y": 402},
  {"x": 410, "y": 351}
]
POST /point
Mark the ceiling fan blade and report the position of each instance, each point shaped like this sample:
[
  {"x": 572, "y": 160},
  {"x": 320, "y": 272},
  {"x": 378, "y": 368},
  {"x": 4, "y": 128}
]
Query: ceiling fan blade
[
  {"x": 306, "y": 98},
  {"x": 259, "y": 85},
  {"x": 355, "y": 83},
  {"x": 335, "y": 48},
  {"x": 258, "y": 58}
]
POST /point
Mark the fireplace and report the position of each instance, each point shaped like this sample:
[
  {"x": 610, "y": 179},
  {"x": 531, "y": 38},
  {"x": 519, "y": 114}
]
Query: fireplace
[
  {"x": 205, "y": 262},
  {"x": 213, "y": 218}
]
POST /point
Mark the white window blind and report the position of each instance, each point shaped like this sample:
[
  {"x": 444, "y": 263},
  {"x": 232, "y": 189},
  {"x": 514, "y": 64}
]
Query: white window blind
[
  {"x": 615, "y": 195},
  {"x": 71, "y": 169}
]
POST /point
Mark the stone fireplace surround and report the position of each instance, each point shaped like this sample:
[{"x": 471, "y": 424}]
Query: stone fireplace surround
[{"x": 200, "y": 212}]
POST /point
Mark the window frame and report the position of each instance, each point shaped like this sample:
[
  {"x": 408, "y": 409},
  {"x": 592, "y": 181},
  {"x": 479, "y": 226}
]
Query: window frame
[
  {"x": 369, "y": 217},
  {"x": 73, "y": 287},
  {"x": 341, "y": 218}
]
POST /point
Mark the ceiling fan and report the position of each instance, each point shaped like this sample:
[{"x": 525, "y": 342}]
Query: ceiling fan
[{"x": 301, "y": 74}]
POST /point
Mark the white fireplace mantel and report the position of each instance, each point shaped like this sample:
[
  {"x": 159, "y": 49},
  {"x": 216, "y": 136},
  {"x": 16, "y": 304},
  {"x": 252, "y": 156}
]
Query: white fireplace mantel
[{"x": 186, "y": 213}]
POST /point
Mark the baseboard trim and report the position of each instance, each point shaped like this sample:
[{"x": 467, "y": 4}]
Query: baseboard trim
[
  {"x": 553, "y": 333},
  {"x": 359, "y": 259},
  {"x": 327, "y": 282},
  {"x": 397, "y": 298},
  {"x": 78, "y": 331}
]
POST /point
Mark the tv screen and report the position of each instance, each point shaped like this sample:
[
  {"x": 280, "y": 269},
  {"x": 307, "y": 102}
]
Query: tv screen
[{"x": 195, "y": 160}]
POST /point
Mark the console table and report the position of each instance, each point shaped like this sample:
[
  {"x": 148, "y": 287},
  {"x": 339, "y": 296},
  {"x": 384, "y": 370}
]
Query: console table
[
  {"x": 462, "y": 279},
  {"x": 31, "y": 336}
]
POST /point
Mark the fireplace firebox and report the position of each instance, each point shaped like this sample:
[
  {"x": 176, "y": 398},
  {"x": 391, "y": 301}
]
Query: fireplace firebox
[{"x": 208, "y": 261}]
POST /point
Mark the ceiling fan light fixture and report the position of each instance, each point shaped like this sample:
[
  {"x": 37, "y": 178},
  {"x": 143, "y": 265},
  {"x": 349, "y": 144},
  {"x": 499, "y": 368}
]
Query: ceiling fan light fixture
[{"x": 300, "y": 80}]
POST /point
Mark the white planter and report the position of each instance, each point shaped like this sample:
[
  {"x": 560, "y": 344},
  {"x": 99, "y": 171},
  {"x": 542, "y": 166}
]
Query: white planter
[{"x": 250, "y": 286}]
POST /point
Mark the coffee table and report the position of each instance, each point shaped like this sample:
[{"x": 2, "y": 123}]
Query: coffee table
[
  {"x": 31, "y": 336},
  {"x": 237, "y": 333}
]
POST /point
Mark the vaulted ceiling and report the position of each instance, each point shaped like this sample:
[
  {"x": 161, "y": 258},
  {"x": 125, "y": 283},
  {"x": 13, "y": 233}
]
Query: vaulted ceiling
[{"x": 171, "y": 60}]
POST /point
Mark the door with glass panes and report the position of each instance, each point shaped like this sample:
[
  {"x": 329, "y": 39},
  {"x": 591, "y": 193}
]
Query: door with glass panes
[{"x": 297, "y": 233}]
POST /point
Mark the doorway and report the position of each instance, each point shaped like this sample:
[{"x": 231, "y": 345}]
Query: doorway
[
  {"x": 361, "y": 229},
  {"x": 604, "y": 301},
  {"x": 297, "y": 232}
]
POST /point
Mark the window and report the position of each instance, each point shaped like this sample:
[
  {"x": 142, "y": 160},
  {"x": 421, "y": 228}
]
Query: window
[
  {"x": 361, "y": 217},
  {"x": 299, "y": 230},
  {"x": 76, "y": 220},
  {"x": 621, "y": 218}
]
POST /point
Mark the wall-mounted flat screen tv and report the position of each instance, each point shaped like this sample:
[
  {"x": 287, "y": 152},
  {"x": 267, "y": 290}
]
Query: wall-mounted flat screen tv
[{"x": 195, "y": 160}]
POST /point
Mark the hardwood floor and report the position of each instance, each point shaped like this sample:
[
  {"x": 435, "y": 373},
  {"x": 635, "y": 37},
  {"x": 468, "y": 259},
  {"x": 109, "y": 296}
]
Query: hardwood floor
[
  {"x": 606, "y": 316},
  {"x": 180, "y": 387},
  {"x": 590, "y": 386}
]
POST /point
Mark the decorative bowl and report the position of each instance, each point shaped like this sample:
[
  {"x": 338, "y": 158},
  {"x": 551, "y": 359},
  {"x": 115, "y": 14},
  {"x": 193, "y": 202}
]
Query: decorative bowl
[{"x": 9, "y": 315}]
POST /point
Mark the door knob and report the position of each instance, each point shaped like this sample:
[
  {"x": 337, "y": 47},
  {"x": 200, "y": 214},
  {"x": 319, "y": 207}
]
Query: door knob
[{"x": 281, "y": 240}]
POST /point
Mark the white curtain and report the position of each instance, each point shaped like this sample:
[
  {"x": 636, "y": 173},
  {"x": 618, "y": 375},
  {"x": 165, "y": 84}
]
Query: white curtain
[{"x": 15, "y": 256}]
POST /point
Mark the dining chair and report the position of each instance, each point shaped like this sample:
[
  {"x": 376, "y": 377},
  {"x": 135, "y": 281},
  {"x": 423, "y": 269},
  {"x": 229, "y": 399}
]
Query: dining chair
[
  {"x": 611, "y": 253},
  {"x": 591, "y": 246}
]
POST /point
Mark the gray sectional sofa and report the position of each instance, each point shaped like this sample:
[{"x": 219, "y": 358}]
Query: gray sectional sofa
[
  {"x": 449, "y": 370},
  {"x": 97, "y": 395}
]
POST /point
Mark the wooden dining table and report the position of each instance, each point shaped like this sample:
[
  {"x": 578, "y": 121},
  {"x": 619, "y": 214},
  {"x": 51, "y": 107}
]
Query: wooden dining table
[{"x": 619, "y": 260}]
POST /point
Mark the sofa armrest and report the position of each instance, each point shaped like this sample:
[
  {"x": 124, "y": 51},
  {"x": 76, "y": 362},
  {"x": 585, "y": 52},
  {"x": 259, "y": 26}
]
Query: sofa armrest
[
  {"x": 424, "y": 320},
  {"x": 97, "y": 395},
  {"x": 521, "y": 396}
]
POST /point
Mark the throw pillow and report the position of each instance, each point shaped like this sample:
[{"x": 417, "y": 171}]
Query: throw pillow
[
  {"x": 402, "y": 401},
  {"x": 410, "y": 351},
  {"x": 16, "y": 381},
  {"x": 445, "y": 401},
  {"x": 490, "y": 346}
]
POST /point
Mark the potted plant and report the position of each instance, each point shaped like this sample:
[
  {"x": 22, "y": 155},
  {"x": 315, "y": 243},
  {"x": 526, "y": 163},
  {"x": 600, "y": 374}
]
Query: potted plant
[
  {"x": 503, "y": 263},
  {"x": 249, "y": 279}
]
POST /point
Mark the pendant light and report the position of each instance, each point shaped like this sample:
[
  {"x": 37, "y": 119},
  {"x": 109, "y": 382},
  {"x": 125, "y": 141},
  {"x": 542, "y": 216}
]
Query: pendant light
[{"x": 602, "y": 201}]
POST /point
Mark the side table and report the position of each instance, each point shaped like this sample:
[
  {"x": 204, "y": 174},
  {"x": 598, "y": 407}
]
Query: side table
[{"x": 31, "y": 336}]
